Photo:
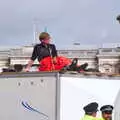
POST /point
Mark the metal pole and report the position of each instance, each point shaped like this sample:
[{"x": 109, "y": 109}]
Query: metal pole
[{"x": 34, "y": 33}]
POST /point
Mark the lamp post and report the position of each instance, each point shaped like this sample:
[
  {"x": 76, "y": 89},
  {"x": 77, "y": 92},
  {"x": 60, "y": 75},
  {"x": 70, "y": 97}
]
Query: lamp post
[
  {"x": 36, "y": 29},
  {"x": 34, "y": 33}
]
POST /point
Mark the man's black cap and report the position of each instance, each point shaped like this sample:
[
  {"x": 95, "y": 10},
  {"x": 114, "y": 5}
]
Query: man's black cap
[
  {"x": 91, "y": 107},
  {"x": 106, "y": 108}
]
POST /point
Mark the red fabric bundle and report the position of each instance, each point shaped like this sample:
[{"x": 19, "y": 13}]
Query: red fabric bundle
[{"x": 47, "y": 64}]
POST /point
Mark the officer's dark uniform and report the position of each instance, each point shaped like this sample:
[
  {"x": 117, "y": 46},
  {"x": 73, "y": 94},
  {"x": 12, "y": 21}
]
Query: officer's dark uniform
[
  {"x": 106, "y": 109},
  {"x": 89, "y": 109}
]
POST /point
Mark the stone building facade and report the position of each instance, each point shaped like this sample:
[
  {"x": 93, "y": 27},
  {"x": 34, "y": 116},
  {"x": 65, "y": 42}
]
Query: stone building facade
[
  {"x": 109, "y": 60},
  {"x": 106, "y": 60}
]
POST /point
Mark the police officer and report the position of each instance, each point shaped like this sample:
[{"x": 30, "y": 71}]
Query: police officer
[
  {"x": 90, "y": 111},
  {"x": 106, "y": 112}
]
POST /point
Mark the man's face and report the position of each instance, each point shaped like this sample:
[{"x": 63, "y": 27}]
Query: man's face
[
  {"x": 94, "y": 114},
  {"x": 46, "y": 40},
  {"x": 107, "y": 115}
]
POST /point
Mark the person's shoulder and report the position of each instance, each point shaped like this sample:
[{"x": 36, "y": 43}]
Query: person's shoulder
[
  {"x": 37, "y": 45},
  {"x": 99, "y": 119},
  {"x": 52, "y": 45},
  {"x": 87, "y": 118}
]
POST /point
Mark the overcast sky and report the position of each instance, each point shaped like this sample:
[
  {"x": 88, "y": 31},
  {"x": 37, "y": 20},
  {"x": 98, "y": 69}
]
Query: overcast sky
[{"x": 68, "y": 21}]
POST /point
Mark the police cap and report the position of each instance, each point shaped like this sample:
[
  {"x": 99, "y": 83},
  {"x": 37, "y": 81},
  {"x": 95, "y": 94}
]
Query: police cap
[
  {"x": 91, "y": 107},
  {"x": 106, "y": 108}
]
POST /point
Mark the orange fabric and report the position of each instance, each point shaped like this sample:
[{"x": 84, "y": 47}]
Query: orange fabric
[{"x": 47, "y": 64}]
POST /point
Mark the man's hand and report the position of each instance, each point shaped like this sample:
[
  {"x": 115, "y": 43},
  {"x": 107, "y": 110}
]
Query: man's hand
[
  {"x": 27, "y": 69},
  {"x": 54, "y": 60}
]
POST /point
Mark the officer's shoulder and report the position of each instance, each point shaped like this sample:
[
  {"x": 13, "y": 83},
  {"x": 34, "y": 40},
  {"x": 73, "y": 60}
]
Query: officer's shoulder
[
  {"x": 99, "y": 119},
  {"x": 95, "y": 118}
]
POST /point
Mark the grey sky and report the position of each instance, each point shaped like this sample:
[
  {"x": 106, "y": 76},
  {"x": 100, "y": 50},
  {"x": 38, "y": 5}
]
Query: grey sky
[{"x": 68, "y": 21}]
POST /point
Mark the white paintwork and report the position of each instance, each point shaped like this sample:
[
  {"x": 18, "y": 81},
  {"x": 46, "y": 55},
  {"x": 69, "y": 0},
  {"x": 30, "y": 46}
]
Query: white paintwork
[
  {"x": 60, "y": 97},
  {"x": 78, "y": 92},
  {"x": 117, "y": 107},
  {"x": 38, "y": 92}
]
